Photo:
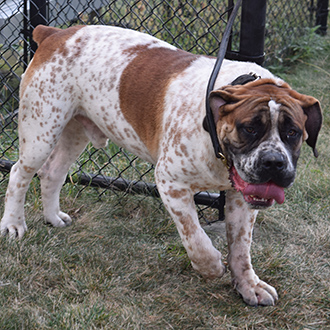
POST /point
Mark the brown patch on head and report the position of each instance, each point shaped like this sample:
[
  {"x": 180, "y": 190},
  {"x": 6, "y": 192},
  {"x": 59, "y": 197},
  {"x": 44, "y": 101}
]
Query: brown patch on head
[
  {"x": 143, "y": 86},
  {"x": 50, "y": 40},
  {"x": 243, "y": 103}
]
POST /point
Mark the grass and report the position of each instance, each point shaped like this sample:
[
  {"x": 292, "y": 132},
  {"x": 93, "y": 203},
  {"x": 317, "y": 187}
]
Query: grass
[{"x": 122, "y": 267}]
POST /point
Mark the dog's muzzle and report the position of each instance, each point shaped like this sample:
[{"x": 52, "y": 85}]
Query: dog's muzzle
[{"x": 273, "y": 166}]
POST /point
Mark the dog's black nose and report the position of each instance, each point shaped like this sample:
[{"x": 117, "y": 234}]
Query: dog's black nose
[
  {"x": 273, "y": 162},
  {"x": 273, "y": 166}
]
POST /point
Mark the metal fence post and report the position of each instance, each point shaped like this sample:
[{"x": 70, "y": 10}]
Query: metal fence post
[
  {"x": 252, "y": 32},
  {"x": 38, "y": 15},
  {"x": 26, "y": 35},
  {"x": 322, "y": 11}
]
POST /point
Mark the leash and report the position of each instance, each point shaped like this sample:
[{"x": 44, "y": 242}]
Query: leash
[{"x": 210, "y": 86}]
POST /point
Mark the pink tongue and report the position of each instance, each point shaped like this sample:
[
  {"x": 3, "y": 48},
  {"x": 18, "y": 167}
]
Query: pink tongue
[{"x": 267, "y": 190}]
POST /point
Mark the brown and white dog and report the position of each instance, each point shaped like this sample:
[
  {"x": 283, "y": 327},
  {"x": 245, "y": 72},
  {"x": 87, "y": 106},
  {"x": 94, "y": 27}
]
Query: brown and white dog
[{"x": 95, "y": 83}]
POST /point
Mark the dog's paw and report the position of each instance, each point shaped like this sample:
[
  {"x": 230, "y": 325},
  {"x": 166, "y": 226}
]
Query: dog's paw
[
  {"x": 216, "y": 270},
  {"x": 13, "y": 229},
  {"x": 59, "y": 220},
  {"x": 260, "y": 294}
]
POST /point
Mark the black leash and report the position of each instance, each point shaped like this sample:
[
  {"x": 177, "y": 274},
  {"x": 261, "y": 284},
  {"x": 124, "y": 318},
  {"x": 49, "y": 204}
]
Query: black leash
[{"x": 210, "y": 86}]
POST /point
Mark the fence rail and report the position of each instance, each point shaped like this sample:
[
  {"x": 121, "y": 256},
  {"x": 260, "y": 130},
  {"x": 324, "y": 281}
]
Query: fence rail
[{"x": 192, "y": 25}]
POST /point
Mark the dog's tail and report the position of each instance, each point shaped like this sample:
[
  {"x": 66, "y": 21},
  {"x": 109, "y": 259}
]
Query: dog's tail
[{"x": 41, "y": 32}]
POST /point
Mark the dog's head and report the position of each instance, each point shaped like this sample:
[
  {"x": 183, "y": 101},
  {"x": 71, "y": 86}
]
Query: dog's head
[{"x": 261, "y": 126}]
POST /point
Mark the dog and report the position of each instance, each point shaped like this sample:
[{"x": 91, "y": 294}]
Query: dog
[{"x": 94, "y": 83}]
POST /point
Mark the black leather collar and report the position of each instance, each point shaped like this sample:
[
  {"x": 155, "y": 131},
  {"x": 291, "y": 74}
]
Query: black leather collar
[{"x": 245, "y": 78}]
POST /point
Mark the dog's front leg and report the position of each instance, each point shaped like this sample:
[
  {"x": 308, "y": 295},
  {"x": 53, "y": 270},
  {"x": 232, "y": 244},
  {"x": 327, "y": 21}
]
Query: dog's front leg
[
  {"x": 239, "y": 224},
  {"x": 179, "y": 201}
]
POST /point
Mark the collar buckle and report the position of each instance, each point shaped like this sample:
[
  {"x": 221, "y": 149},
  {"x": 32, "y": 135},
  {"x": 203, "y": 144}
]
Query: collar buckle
[{"x": 223, "y": 159}]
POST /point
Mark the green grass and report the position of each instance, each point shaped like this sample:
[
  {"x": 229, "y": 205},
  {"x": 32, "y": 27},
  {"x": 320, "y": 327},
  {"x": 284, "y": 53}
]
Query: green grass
[{"x": 123, "y": 267}]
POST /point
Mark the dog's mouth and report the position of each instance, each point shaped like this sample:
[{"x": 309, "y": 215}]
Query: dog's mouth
[{"x": 259, "y": 195}]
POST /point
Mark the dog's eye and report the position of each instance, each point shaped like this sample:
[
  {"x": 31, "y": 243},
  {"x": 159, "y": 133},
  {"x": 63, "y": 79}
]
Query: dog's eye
[
  {"x": 292, "y": 133},
  {"x": 250, "y": 130}
]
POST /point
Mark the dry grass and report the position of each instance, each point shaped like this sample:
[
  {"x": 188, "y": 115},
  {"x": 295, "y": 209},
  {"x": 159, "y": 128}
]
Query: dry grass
[{"x": 118, "y": 268}]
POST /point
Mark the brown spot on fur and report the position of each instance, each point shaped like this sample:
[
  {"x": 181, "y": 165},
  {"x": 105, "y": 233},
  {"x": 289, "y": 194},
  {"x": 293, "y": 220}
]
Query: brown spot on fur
[
  {"x": 189, "y": 228},
  {"x": 230, "y": 238},
  {"x": 178, "y": 153},
  {"x": 241, "y": 233},
  {"x": 175, "y": 193},
  {"x": 245, "y": 267},
  {"x": 143, "y": 86},
  {"x": 28, "y": 169},
  {"x": 239, "y": 203},
  {"x": 177, "y": 136},
  {"x": 177, "y": 213},
  {"x": 184, "y": 150}
]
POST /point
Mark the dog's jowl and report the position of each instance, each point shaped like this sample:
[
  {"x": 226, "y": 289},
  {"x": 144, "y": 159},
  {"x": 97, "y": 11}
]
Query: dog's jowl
[{"x": 95, "y": 83}]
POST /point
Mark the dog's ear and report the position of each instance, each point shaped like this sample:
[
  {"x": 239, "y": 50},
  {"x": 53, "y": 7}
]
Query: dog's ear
[
  {"x": 217, "y": 99},
  {"x": 312, "y": 110}
]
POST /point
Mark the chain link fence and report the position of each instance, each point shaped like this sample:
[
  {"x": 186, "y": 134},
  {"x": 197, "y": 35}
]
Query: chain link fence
[{"x": 193, "y": 25}]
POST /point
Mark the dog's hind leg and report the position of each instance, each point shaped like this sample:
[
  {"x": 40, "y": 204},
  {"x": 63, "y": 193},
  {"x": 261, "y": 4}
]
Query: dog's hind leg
[
  {"x": 37, "y": 140},
  {"x": 13, "y": 222},
  {"x": 53, "y": 173}
]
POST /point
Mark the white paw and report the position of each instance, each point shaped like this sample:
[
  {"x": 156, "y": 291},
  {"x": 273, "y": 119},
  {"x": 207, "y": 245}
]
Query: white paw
[
  {"x": 257, "y": 294},
  {"x": 13, "y": 228},
  {"x": 59, "y": 220},
  {"x": 211, "y": 271}
]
